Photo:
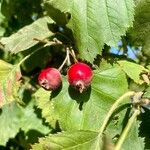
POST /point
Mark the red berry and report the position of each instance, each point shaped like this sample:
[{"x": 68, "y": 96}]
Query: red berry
[
  {"x": 80, "y": 76},
  {"x": 50, "y": 79}
]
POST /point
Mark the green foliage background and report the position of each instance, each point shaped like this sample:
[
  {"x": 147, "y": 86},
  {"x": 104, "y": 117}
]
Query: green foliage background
[{"x": 31, "y": 117}]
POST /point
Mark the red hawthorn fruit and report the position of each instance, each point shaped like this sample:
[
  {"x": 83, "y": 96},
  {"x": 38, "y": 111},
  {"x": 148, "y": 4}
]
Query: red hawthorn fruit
[
  {"x": 80, "y": 76},
  {"x": 50, "y": 79}
]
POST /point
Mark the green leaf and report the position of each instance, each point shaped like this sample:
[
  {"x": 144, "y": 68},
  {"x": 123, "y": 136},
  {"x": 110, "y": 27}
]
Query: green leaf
[
  {"x": 9, "y": 126},
  {"x": 146, "y": 46},
  {"x": 94, "y": 24},
  {"x": 148, "y": 67},
  {"x": 43, "y": 102},
  {"x": 133, "y": 140},
  {"x": 24, "y": 38},
  {"x": 133, "y": 70},
  {"x": 141, "y": 29},
  {"x": 84, "y": 140},
  {"x": 30, "y": 120},
  {"x": 81, "y": 140},
  {"x": 54, "y": 13},
  {"x": 76, "y": 111},
  {"x": 147, "y": 92},
  {"x": 9, "y": 82},
  {"x": 117, "y": 124},
  {"x": 14, "y": 117}
]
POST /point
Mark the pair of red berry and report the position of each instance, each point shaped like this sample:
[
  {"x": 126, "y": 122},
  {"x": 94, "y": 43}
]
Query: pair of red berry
[{"x": 79, "y": 76}]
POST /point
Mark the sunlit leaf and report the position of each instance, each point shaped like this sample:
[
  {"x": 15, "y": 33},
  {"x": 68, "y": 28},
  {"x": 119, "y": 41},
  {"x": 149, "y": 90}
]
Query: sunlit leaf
[
  {"x": 24, "y": 38},
  {"x": 147, "y": 92},
  {"x": 70, "y": 140},
  {"x": 133, "y": 140},
  {"x": 9, "y": 82},
  {"x": 86, "y": 140},
  {"x": 14, "y": 117},
  {"x": 94, "y": 23},
  {"x": 133, "y": 70},
  {"x": 2, "y": 29}
]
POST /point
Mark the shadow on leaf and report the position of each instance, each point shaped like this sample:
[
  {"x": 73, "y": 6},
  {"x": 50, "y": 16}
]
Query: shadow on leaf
[
  {"x": 56, "y": 92},
  {"x": 80, "y": 98}
]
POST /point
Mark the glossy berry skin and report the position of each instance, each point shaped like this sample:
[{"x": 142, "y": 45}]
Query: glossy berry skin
[
  {"x": 50, "y": 79},
  {"x": 80, "y": 76}
]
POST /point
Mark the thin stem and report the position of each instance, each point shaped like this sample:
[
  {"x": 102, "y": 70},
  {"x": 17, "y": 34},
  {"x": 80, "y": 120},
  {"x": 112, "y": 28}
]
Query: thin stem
[
  {"x": 127, "y": 129},
  {"x": 65, "y": 60},
  {"x": 113, "y": 108}
]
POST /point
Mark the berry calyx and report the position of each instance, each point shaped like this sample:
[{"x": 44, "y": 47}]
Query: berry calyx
[
  {"x": 50, "y": 79},
  {"x": 80, "y": 76}
]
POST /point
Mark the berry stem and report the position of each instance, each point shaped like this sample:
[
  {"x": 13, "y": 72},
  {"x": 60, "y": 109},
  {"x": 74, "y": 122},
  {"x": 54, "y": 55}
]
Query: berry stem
[
  {"x": 127, "y": 129},
  {"x": 72, "y": 53},
  {"x": 113, "y": 108},
  {"x": 67, "y": 58}
]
